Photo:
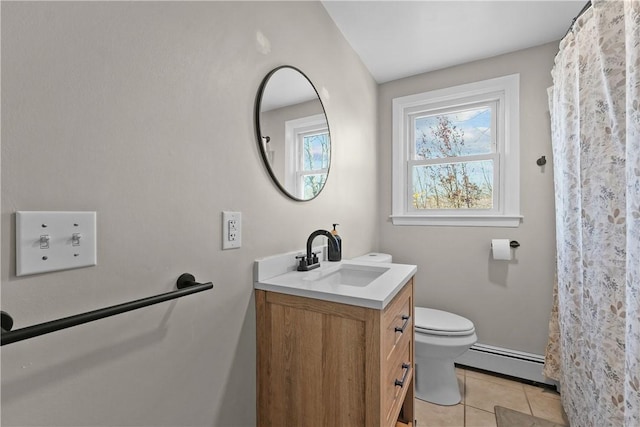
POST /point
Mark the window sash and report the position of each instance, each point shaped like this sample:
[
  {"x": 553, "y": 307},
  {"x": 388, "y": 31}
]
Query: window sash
[
  {"x": 495, "y": 158},
  {"x": 301, "y": 175},
  {"x": 493, "y": 104},
  {"x": 300, "y": 137}
]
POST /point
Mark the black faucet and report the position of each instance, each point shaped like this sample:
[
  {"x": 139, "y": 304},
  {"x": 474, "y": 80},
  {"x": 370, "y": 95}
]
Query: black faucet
[{"x": 310, "y": 261}]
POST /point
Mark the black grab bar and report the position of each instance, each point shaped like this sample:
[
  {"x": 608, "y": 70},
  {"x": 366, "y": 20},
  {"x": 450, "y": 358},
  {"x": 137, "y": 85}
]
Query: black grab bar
[{"x": 186, "y": 286}]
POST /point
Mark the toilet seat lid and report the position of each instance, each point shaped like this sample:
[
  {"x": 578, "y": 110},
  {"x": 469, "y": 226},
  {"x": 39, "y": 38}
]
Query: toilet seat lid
[{"x": 438, "y": 322}]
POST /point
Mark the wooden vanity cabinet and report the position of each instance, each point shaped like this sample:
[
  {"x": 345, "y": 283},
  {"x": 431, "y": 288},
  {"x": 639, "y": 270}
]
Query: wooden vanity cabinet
[{"x": 322, "y": 363}]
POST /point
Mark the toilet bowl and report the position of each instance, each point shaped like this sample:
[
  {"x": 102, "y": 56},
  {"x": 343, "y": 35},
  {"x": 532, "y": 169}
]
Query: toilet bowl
[{"x": 440, "y": 337}]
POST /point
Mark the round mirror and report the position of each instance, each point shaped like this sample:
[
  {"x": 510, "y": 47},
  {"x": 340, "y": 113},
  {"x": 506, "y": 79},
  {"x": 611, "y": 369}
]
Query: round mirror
[{"x": 293, "y": 133}]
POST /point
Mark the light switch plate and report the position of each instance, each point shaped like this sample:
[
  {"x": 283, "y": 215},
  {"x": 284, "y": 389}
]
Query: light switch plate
[{"x": 51, "y": 241}]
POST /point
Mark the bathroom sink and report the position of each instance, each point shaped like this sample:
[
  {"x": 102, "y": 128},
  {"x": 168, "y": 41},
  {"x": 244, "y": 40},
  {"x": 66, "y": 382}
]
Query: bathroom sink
[
  {"x": 358, "y": 283},
  {"x": 346, "y": 274}
]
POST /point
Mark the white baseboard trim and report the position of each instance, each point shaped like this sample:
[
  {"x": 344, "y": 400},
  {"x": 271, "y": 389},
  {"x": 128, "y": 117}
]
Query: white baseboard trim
[{"x": 504, "y": 361}]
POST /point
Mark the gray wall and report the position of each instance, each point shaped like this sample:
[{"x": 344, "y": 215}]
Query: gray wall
[
  {"x": 143, "y": 112},
  {"x": 509, "y": 302}
]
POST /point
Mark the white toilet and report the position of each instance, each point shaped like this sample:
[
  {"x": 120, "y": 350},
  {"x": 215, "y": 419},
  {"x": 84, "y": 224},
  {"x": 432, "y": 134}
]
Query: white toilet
[{"x": 440, "y": 337}]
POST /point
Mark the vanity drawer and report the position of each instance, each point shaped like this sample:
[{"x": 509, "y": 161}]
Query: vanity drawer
[
  {"x": 397, "y": 379},
  {"x": 397, "y": 321}
]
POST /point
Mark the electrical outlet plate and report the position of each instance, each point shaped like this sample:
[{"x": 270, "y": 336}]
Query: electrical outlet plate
[
  {"x": 231, "y": 230},
  {"x": 52, "y": 241}
]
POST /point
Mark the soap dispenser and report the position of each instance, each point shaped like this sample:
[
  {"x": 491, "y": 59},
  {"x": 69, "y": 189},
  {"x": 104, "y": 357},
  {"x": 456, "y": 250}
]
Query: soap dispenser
[{"x": 335, "y": 255}]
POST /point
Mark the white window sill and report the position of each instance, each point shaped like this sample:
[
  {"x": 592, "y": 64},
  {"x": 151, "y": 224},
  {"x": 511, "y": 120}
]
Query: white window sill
[{"x": 458, "y": 221}]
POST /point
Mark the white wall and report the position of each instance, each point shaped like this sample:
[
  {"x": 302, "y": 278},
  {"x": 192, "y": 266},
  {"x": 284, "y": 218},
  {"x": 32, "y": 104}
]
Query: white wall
[
  {"x": 509, "y": 303},
  {"x": 143, "y": 112}
]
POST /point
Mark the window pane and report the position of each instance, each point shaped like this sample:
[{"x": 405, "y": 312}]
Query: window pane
[
  {"x": 456, "y": 133},
  {"x": 315, "y": 151},
  {"x": 312, "y": 184},
  {"x": 465, "y": 185}
]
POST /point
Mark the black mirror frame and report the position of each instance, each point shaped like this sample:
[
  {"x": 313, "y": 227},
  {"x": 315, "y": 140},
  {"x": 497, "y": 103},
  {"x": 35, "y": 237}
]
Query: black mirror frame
[{"x": 263, "y": 154}]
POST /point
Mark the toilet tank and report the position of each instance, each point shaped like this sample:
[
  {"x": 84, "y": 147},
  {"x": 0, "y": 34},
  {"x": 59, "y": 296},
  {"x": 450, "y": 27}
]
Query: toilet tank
[{"x": 374, "y": 257}]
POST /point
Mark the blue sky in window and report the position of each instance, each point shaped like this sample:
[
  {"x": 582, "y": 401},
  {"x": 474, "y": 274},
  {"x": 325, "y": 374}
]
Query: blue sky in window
[
  {"x": 475, "y": 123},
  {"x": 317, "y": 143}
]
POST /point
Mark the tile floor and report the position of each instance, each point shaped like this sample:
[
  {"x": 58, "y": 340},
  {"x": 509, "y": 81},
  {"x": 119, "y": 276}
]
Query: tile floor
[{"x": 481, "y": 393}]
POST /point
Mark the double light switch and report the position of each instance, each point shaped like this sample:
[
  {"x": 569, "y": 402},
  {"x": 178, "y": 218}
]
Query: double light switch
[{"x": 51, "y": 241}]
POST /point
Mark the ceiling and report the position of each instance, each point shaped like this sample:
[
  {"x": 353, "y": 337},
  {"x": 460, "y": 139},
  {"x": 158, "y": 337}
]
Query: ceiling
[{"x": 397, "y": 39}]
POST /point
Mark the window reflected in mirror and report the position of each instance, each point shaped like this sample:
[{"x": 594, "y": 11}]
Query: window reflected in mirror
[{"x": 293, "y": 133}]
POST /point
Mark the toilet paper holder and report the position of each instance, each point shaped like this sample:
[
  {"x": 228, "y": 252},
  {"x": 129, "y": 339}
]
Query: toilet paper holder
[{"x": 514, "y": 244}]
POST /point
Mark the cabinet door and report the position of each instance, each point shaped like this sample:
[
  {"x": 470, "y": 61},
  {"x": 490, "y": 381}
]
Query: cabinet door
[{"x": 311, "y": 369}]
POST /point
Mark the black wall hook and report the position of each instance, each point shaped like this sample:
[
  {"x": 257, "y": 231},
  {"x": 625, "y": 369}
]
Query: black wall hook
[
  {"x": 6, "y": 321},
  {"x": 541, "y": 161}
]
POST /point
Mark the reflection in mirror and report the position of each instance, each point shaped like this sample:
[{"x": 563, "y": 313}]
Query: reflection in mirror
[{"x": 293, "y": 133}]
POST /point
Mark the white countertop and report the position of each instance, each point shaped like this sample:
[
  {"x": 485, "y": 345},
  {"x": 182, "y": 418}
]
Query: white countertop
[{"x": 277, "y": 274}]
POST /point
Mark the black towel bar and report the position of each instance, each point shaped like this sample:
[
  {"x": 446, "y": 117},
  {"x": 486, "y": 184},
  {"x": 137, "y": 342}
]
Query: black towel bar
[{"x": 186, "y": 286}]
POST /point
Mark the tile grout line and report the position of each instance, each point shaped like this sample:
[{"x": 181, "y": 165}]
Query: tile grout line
[{"x": 526, "y": 395}]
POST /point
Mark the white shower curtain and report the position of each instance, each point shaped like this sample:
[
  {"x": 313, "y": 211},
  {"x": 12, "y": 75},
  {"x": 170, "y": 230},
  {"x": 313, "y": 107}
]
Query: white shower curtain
[{"x": 595, "y": 122}]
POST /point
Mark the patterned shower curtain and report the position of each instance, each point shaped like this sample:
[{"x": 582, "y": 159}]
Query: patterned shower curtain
[{"x": 594, "y": 348}]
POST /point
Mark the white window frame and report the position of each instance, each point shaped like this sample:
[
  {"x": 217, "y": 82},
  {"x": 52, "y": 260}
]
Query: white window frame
[
  {"x": 506, "y": 213},
  {"x": 294, "y": 131}
]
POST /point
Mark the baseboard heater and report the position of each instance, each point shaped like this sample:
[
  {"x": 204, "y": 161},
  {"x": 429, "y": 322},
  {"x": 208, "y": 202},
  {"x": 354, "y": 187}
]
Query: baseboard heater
[{"x": 518, "y": 364}]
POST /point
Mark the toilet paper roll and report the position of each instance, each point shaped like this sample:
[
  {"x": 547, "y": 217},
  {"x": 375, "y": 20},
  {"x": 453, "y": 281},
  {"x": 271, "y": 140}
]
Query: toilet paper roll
[{"x": 501, "y": 249}]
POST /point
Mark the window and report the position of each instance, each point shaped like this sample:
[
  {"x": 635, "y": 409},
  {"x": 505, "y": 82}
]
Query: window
[
  {"x": 456, "y": 156},
  {"x": 307, "y": 154}
]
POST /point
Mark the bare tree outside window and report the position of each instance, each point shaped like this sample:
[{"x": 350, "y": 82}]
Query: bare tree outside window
[
  {"x": 450, "y": 178},
  {"x": 315, "y": 158}
]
